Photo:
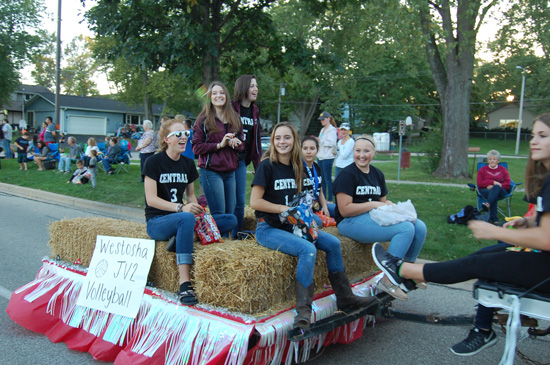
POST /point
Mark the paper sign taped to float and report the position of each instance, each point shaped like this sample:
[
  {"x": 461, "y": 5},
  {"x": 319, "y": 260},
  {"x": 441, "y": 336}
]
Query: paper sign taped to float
[{"x": 117, "y": 275}]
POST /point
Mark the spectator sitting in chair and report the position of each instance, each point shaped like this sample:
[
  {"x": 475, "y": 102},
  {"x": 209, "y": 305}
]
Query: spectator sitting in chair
[
  {"x": 43, "y": 155},
  {"x": 493, "y": 182},
  {"x": 112, "y": 154},
  {"x": 74, "y": 154}
]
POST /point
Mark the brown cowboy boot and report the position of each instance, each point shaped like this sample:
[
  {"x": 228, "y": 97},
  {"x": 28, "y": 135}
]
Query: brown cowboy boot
[
  {"x": 345, "y": 298},
  {"x": 304, "y": 298}
]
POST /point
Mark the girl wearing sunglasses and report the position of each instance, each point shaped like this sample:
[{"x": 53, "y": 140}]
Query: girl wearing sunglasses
[
  {"x": 217, "y": 140},
  {"x": 168, "y": 177}
]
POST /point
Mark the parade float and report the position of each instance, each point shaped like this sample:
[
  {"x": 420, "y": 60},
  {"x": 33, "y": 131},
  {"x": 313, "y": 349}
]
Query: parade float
[{"x": 245, "y": 291}]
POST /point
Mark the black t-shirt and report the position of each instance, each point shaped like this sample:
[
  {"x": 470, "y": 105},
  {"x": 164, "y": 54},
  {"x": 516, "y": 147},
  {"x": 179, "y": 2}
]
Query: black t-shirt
[
  {"x": 280, "y": 188},
  {"x": 247, "y": 121},
  {"x": 360, "y": 186},
  {"x": 543, "y": 199},
  {"x": 23, "y": 143},
  {"x": 309, "y": 184},
  {"x": 172, "y": 178}
]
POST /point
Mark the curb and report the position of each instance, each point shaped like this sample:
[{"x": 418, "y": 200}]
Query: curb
[{"x": 111, "y": 210}]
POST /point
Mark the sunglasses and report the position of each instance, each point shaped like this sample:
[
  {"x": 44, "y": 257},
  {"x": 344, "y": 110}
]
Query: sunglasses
[{"x": 179, "y": 134}]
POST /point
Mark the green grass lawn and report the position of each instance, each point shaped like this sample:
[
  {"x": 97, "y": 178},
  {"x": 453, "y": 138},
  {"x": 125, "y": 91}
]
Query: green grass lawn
[{"x": 433, "y": 203}]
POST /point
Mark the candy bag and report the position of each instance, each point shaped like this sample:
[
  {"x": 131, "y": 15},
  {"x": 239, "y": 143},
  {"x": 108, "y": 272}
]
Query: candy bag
[{"x": 206, "y": 229}]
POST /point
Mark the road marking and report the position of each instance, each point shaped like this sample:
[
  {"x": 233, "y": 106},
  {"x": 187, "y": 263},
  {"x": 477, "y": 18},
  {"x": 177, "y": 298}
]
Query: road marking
[{"x": 5, "y": 293}]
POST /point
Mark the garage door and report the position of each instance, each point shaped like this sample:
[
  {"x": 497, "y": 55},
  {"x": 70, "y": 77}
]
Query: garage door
[{"x": 87, "y": 125}]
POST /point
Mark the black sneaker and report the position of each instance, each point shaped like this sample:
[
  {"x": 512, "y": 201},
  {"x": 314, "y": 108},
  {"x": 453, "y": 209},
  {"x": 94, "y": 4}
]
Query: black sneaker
[
  {"x": 388, "y": 264},
  {"x": 474, "y": 343},
  {"x": 187, "y": 294},
  {"x": 171, "y": 245}
]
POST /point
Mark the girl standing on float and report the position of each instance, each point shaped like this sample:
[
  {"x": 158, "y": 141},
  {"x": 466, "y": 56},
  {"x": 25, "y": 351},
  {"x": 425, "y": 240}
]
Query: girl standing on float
[
  {"x": 217, "y": 140},
  {"x": 168, "y": 176},
  {"x": 244, "y": 104},
  {"x": 360, "y": 188},
  {"x": 277, "y": 180}
]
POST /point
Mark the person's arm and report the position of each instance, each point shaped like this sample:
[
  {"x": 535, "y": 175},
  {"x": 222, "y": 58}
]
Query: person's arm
[
  {"x": 531, "y": 236},
  {"x": 507, "y": 182},
  {"x": 18, "y": 146},
  {"x": 144, "y": 143},
  {"x": 483, "y": 181},
  {"x": 347, "y": 149},
  {"x": 257, "y": 201},
  {"x": 348, "y": 208}
]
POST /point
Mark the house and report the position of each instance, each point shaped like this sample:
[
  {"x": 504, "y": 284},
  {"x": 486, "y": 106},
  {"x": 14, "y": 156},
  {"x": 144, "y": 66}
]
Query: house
[
  {"x": 16, "y": 107},
  {"x": 81, "y": 115},
  {"x": 508, "y": 116}
]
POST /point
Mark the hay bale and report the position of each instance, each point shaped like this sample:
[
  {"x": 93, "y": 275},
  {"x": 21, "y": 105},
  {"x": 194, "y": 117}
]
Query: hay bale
[
  {"x": 240, "y": 276},
  {"x": 249, "y": 219}
]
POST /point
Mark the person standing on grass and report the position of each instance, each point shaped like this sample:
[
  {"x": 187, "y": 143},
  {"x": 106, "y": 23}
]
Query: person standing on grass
[
  {"x": 360, "y": 188},
  {"x": 50, "y": 133},
  {"x": 277, "y": 181},
  {"x": 217, "y": 140},
  {"x": 328, "y": 139},
  {"x": 8, "y": 135},
  {"x": 22, "y": 143},
  {"x": 523, "y": 268},
  {"x": 245, "y": 94}
]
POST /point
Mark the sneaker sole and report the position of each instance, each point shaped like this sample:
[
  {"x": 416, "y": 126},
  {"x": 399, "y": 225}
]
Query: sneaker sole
[
  {"x": 381, "y": 267},
  {"x": 486, "y": 346}
]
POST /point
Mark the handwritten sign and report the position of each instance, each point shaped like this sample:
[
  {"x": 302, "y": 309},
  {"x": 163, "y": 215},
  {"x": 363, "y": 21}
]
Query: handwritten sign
[{"x": 117, "y": 275}]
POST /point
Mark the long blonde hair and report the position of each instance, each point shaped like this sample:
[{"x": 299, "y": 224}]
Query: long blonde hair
[
  {"x": 208, "y": 112},
  {"x": 295, "y": 157},
  {"x": 536, "y": 171}
]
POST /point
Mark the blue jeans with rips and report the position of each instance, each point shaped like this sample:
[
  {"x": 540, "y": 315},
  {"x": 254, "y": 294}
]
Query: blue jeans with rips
[
  {"x": 286, "y": 242},
  {"x": 406, "y": 238},
  {"x": 240, "y": 185},
  {"x": 162, "y": 227},
  {"x": 326, "y": 166}
]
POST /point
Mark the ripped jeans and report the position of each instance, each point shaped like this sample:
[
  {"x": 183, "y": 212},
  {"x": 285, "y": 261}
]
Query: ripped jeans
[{"x": 286, "y": 242}]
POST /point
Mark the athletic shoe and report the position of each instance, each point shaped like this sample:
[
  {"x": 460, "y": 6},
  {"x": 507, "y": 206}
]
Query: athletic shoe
[
  {"x": 187, "y": 294},
  {"x": 171, "y": 245},
  {"x": 387, "y": 263},
  {"x": 422, "y": 285},
  {"x": 474, "y": 343},
  {"x": 392, "y": 290}
]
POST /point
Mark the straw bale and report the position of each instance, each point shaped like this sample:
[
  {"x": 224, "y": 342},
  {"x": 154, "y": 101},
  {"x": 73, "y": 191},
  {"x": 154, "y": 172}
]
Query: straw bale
[
  {"x": 240, "y": 276},
  {"x": 249, "y": 220}
]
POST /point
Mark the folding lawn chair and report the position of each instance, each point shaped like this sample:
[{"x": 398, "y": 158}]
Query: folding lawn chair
[{"x": 508, "y": 197}]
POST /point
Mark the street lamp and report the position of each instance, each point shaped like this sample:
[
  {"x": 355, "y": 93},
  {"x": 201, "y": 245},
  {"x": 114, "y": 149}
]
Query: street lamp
[
  {"x": 282, "y": 92},
  {"x": 520, "y": 108}
]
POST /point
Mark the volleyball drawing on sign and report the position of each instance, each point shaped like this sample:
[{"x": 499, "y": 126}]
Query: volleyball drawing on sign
[{"x": 101, "y": 268}]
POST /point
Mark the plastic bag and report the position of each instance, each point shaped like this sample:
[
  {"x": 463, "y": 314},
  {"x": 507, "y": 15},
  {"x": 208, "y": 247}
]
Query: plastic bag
[
  {"x": 388, "y": 215},
  {"x": 327, "y": 221},
  {"x": 301, "y": 219},
  {"x": 206, "y": 229}
]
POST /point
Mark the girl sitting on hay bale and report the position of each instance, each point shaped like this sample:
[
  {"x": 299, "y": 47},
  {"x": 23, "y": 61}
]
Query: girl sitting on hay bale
[
  {"x": 277, "y": 181},
  {"x": 168, "y": 175}
]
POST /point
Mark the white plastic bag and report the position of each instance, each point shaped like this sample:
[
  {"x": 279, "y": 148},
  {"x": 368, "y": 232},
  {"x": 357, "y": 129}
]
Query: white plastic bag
[{"x": 388, "y": 215}]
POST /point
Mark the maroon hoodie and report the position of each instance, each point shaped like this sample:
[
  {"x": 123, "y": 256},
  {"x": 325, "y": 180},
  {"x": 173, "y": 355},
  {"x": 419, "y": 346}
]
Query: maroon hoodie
[{"x": 254, "y": 150}]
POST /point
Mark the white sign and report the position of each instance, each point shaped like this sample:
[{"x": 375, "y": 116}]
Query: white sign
[{"x": 117, "y": 275}]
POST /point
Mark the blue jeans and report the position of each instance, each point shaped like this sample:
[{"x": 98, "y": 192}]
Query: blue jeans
[
  {"x": 240, "y": 184},
  {"x": 225, "y": 223},
  {"x": 406, "y": 238},
  {"x": 286, "y": 242},
  {"x": 64, "y": 163},
  {"x": 162, "y": 227},
  {"x": 219, "y": 189},
  {"x": 326, "y": 166},
  {"x": 106, "y": 164},
  {"x": 492, "y": 196},
  {"x": 7, "y": 149}
]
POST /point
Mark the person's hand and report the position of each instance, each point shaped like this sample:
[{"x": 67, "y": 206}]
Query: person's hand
[
  {"x": 234, "y": 142},
  {"x": 193, "y": 208},
  {"x": 324, "y": 210},
  {"x": 226, "y": 139},
  {"x": 489, "y": 186},
  {"x": 496, "y": 183},
  {"x": 517, "y": 223},
  {"x": 387, "y": 202},
  {"x": 482, "y": 230}
]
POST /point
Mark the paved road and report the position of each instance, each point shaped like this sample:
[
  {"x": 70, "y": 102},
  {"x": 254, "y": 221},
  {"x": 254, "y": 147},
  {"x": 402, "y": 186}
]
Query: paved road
[{"x": 25, "y": 217}]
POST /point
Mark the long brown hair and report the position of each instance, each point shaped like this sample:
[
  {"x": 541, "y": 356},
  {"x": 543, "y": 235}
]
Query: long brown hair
[
  {"x": 228, "y": 114},
  {"x": 295, "y": 157},
  {"x": 164, "y": 130},
  {"x": 240, "y": 92},
  {"x": 536, "y": 172}
]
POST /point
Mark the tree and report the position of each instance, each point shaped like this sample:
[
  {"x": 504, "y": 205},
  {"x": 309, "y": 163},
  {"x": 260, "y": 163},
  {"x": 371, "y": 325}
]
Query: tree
[
  {"x": 19, "y": 19},
  {"x": 450, "y": 34},
  {"x": 179, "y": 35}
]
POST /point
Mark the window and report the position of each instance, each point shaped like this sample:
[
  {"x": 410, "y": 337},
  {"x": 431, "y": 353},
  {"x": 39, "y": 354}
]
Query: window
[
  {"x": 508, "y": 123},
  {"x": 134, "y": 119}
]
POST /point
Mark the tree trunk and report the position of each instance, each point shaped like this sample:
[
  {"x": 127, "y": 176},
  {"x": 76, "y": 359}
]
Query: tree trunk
[
  {"x": 304, "y": 115},
  {"x": 210, "y": 69}
]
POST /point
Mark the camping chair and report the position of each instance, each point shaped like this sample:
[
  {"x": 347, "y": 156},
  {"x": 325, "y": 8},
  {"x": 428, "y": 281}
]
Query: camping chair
[
  {"x": 122, "y": 161},
  {"x": 54, "y": 151},
  {"x": 508, "y": 197}
]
